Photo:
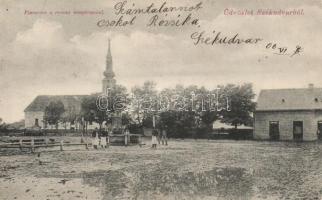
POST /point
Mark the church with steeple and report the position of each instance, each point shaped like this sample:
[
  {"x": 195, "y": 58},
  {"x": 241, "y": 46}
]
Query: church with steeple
[{"x": 35, "y": 111}]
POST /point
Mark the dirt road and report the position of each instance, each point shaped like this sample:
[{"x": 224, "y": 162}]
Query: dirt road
[{"x": 186, "y": 169}]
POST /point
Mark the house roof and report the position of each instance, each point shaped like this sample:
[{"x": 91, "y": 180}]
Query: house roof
[
  {"x": 41, "y": 102},
  {"x": 290, "y": 99}
]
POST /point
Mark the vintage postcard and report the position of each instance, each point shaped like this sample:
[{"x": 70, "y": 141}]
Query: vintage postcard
[{"x": 160, "y": 99}]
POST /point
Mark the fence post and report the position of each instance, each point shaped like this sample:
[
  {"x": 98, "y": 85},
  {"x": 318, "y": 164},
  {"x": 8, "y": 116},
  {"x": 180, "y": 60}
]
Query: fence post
[
  {"x": 20, "y": 144},
  {"x": 32, "y": 142},
  {"x": 86, "y": 145},
  {"x": 125, "y": 139},
  {"x": 140, "y": 141},
  {"x": 61, "y": 145},
  {"x": 108, "y": 141}
]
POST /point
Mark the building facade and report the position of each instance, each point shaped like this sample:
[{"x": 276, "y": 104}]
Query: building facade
[
  {"x": 35, "y": 111},
  {"x": 289, "y": 114}
]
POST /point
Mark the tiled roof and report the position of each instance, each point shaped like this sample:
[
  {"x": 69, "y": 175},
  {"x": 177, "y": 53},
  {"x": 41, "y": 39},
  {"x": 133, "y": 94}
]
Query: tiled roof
[
  {"x": 290, "y": 99},
  {"x": 41, "y": 102}
]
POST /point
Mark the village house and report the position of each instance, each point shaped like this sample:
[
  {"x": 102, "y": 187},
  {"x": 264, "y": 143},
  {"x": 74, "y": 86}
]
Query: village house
[{"x": 289, "y": 114}]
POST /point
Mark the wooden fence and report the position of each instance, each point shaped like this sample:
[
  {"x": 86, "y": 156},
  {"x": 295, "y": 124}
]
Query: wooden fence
[{"x": 32, "y": 144}]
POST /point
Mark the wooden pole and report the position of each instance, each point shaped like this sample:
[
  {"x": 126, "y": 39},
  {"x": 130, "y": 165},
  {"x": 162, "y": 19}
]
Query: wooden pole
[
  {"x": 32, "y": 142},
  {"x": 61, "y": 145},
  {"x": 140, "y": 141},
  {"x": 20, "y": 144},
  {"x": 125, "y": 139},
  {"x": 86, "y": 145},
  {"x": 108, "y": 141},
  {"x": 129, "y": 137}
]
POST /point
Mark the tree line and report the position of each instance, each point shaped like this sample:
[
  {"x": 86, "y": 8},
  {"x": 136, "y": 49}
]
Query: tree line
[{"x": 231, "y": 104}]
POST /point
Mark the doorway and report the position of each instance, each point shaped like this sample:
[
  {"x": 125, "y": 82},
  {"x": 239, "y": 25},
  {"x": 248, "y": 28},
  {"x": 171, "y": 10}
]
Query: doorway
[
  {"x": 320, "y": 130},
  {"x": 298, "y": 130},
  {"x": 274, "y": 133}
]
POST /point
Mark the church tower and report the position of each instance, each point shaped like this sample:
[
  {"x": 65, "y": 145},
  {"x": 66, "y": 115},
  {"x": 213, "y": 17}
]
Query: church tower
[{"x": 109, "y": 80}]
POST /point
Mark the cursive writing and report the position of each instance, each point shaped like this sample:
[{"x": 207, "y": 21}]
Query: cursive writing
[{"x": 218, "y": 38}]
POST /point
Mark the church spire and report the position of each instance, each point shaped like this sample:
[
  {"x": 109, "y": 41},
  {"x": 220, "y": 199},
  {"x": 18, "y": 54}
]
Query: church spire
[
  {"x": 108, "y": 81},
  {"x": 108, "y": 73}
]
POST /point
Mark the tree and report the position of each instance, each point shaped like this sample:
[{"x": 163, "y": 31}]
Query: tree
[
  {"x": 189, "y": 110},
  {"x": 53, "y": 113},
  {"x": 204, "y": 108},
  {"x": 99, "y": 108},
  {"x": 69, "y": 116},
  {"x": 143, "y": 102},
  {"x": 88, "y": 106},
  {"x": 241, "y": 104},
  {"x": 208, "y": 118},
  {"x": 2, "y": 124},
  {"x": 126, "y": 119}
]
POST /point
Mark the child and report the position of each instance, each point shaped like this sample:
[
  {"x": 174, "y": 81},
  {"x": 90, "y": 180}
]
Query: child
[
  {"x": 103, "y": 141},
  {"x": 95, "y": 139},
  {"x": 158, "y": 133},
  {"x": 127, "y": 137},
  {"x": 154, "y": 140},
  {"x": 164, "y": 138}
]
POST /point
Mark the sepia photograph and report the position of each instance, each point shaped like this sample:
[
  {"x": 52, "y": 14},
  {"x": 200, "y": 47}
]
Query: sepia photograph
[{"x": 160, "y": 100}]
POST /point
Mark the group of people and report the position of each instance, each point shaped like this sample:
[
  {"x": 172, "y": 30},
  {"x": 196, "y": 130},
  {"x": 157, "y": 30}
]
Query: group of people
[
  {"x": 99, "y": 139},
  {"x": 159, "y": 137}
]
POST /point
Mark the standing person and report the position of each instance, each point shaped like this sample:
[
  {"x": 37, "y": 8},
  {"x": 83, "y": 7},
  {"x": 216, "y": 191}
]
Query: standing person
[
  {"x": 126, "y": 136},
  {"x": 158, "y": 133},
  {"x": 103, "y": 140},
  {"x": 95, "y": 139},
  {"x": 164, "y": 137},
  {"x": 108, "y": 133},
  {"x": 154, "y": 140}
]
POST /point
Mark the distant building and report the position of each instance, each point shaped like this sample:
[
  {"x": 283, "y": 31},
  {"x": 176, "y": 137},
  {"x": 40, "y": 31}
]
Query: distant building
[
  {"x": 35, "y": 111},
  {"x": 289, "y": 114}
]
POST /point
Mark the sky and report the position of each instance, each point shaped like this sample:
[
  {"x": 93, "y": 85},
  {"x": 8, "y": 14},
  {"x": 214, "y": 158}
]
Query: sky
[{"x": 43, "y": 54}]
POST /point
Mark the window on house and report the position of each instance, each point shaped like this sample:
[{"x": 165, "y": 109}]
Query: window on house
[{"x": 298, "y": 130}]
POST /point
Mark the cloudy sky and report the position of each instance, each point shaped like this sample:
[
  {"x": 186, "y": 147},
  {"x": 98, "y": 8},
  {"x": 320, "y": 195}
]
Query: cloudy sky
[{"x": 65, "y": 54}]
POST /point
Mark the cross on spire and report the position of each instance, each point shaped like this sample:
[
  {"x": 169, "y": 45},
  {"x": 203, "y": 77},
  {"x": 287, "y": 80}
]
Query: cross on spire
[{"x": 109, "y": 46}]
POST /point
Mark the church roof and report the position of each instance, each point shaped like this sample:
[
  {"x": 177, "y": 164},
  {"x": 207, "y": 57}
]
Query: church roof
[
  {"x": 42, "y": 101},
  {"x": 290, "y": 99}
]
